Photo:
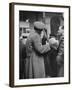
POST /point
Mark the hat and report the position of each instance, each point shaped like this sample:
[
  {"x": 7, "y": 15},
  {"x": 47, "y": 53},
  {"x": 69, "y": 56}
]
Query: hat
[{"x": 39, "y": 25}]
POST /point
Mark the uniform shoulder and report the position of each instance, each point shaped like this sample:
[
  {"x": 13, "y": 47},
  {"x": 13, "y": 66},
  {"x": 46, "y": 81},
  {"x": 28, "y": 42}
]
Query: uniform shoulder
[{"x": 34, "y": 35}]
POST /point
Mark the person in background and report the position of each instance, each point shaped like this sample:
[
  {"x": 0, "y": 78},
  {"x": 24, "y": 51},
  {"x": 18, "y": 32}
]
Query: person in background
[
  {"x": 22, "y": 57},
  {"x": 35, "y": 61},
  {"x": 60, "y": 55}
]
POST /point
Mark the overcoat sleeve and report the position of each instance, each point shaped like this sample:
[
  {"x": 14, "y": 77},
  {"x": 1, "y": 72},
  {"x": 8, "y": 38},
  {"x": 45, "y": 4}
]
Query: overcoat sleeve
[{"x": 38, "y": 45}]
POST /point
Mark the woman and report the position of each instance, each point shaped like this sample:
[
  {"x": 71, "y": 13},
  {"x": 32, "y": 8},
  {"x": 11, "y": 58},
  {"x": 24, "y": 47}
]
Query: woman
[
  {"x": 35, "y": 50},
  {"x": 46, "y": 55}
]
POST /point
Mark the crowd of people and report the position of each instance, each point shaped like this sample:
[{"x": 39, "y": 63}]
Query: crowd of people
[{"x": 42, "y": 56}]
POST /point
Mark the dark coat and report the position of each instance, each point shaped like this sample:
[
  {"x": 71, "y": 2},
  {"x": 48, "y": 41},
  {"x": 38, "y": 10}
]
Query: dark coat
[
  {"x": 35, "y": 60},
  {"x": 22, "y": 57},
  {"x": 53, "y": 63},
  {"x": 46, "y": 59}
]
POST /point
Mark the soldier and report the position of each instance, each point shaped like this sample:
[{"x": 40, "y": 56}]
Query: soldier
[{"x": 35, "y": 50}]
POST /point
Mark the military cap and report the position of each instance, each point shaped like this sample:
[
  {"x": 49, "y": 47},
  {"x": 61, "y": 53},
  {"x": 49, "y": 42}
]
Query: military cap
[{"x": 39, "y": 25}]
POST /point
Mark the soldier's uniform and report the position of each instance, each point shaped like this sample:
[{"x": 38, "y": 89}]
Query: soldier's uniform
[{"x": 35, "y": 50}]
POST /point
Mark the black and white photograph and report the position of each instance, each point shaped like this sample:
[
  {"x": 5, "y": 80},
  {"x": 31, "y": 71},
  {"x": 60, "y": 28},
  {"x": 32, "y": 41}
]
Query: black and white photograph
[{"x": 41, "y": 44}]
